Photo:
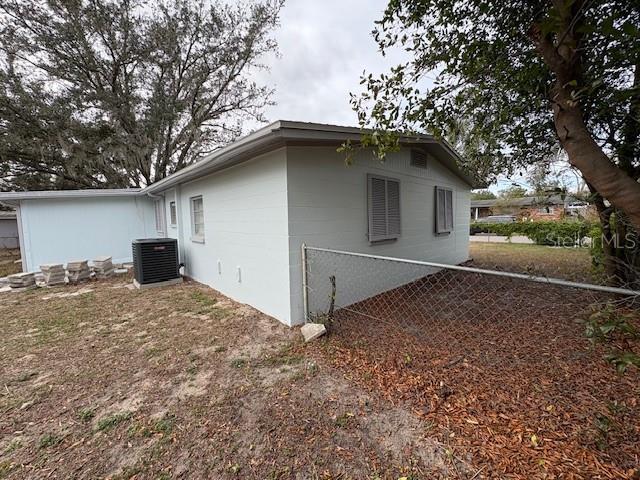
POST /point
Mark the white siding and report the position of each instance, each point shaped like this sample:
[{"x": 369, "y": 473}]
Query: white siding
[
  {"x": 328, "y": 208},
  {"x": 59, "y": 230},
  {"x": 245, "y": 216}
]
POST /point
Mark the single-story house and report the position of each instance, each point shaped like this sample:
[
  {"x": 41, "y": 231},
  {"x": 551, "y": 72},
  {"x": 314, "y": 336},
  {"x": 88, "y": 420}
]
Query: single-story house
[
  {"x": 541, "y": 207},
  {"x": 8, "y": 229},
  {"x": 241, "y": 214}
]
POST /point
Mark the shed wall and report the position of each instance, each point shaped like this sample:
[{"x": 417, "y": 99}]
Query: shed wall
[{"x": 60, "y": 230}]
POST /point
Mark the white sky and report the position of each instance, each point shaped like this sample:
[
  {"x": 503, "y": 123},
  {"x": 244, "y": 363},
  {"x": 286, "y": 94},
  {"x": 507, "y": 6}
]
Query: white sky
[{"x": 325, "y": 45}]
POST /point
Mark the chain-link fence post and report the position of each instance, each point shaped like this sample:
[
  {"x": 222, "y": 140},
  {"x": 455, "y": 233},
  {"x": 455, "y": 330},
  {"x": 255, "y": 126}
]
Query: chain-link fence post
[{"x": 305, "y": 290}]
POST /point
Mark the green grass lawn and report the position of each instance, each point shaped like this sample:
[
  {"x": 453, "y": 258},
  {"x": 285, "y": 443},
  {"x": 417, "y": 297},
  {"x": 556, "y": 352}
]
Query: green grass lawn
[{"x": 568, "y": 263}]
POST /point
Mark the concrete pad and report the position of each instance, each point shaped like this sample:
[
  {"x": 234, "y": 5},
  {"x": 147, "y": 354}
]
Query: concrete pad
[
  {"x": 166, "y": 283},
  {"x": 311, "y": 331}
]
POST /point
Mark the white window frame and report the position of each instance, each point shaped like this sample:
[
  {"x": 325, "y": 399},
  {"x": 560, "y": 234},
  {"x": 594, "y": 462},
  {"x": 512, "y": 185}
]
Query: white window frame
[
  {"x": 389, "y": 235},
  {"x": 444, "y": 226},
  {"x": 196, "y": 237},
  {"x": 173, "y": 214},
  {"x": 160, "y": 216}
]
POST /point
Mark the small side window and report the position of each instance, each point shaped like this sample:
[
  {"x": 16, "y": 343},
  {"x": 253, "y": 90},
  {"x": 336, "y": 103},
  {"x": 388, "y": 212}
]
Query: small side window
[
  {"x": 159, "y": 213},
  {"x": 173, "y": 214},
  {"x": 197, "y": 219},
  {"x": 444, "y": 210}
]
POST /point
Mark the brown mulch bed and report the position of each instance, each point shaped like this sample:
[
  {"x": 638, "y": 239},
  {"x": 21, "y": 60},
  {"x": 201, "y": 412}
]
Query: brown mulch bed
[{"x": 503, "y": 371}]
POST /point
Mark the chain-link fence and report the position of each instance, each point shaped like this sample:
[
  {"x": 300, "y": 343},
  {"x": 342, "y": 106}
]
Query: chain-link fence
[
  {"x": 449, "y": 311},
  {"x": 495, "y": 347}
]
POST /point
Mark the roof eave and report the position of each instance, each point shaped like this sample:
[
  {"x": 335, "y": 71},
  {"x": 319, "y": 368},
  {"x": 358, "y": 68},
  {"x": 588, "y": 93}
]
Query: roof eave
[
  {"x": 224, "y": 158},
  {"x": 280, "y": 134},
  {"x": 60, "y": 194}
]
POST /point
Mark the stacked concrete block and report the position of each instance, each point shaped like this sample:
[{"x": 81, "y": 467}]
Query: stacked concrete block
[
  {"x": 22, "y": 280},
  {"x": 53, "y": 273},
  {"x": 78, "y": 270},
  {"x": 103, "y": 267}
]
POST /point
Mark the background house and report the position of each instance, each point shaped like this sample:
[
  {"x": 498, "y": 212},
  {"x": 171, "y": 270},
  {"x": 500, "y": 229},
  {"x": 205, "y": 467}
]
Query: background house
[
  {"x": 542, "y": 207},
  {"x": 241, "y": 214},
  {"x": 8, "y": 229}
]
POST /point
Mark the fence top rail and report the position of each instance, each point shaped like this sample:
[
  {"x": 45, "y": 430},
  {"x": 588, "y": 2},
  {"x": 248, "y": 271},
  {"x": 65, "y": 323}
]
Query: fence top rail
[{"x": 521, "y": 276}]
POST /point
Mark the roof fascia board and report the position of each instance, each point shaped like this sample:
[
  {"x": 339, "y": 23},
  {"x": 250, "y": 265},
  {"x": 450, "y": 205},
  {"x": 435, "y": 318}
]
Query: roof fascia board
[
  {"x": 223, "y": 159},
  {"x": 50, "y": 194},
  {"x": 278, "y": 134}
]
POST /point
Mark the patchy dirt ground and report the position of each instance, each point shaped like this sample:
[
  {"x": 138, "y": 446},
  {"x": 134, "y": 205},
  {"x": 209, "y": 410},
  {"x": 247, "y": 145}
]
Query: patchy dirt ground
[
  {"x": 568, "y": 263},
  {"x": 180, "y": 382},
  {"x": 503, "y": 372},
  {"x": 8, "y": 265}
]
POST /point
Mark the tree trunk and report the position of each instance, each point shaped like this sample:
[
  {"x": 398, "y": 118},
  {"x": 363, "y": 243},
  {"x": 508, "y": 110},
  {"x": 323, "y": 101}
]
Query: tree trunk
[
  {"x": 609, "y": 260},
  {"x": 563, "y": 57},
  {"x": 610, "y": 181}
]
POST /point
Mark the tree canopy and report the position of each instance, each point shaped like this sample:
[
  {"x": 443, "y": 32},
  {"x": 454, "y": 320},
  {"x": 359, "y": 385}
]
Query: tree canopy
[
  {"x": 483, "y": 195},
  {"x": 514, "y": 191},
  {"x": 118, "y": 93},
  {"x": 512, "y": 80}
]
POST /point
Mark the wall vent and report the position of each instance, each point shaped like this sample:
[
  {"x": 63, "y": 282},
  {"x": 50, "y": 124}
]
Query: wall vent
[{"x": 418, "y": 159}]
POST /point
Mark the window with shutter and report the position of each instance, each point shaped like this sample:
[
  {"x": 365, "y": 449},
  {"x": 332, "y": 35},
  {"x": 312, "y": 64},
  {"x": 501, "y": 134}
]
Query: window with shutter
[
  {"x": 444, "y": 210},
  {"x": 384, "y": 208}
]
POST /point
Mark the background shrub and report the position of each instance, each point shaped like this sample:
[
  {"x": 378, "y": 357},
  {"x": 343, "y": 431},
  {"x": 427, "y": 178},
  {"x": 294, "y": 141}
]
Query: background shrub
[{"x": 566, "y": 233}]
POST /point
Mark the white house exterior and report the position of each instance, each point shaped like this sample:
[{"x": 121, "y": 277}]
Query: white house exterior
[{"x": 242, "y": 214}]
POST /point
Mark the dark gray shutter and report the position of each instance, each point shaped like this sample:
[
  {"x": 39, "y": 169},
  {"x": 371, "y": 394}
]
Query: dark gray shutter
[
  {"x": 440, "y": 210},
  {"x": 384, "y": 208},
  {"x": 393, "y": 208},
  {"x": 449, "y": 210},
  {"x": 444, "y": 210},
  {"x": 377, "y": 209}
]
